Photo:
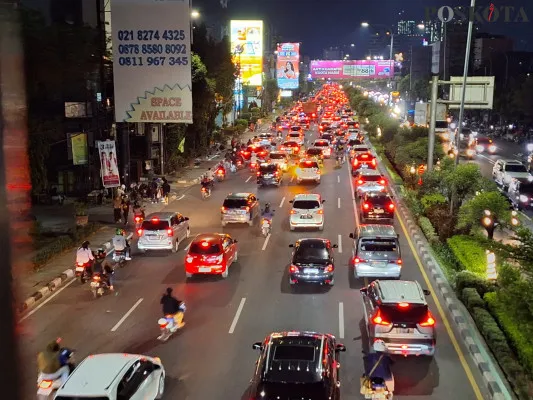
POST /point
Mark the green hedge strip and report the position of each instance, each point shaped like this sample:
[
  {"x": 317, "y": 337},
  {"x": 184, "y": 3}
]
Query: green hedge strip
[{"x": 470, "y": 254}]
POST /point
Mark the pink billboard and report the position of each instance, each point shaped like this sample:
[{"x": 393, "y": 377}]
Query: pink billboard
[{"x": 349, "y": 69}]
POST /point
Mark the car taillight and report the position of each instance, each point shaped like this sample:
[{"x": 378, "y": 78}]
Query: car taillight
[
  {"x": 258, "y": 173},
  {"x": 378, "y": 319},
  {"x": 293, "y": 212},
  {"x": 403, "y": 305},
  {"x": 399, "y": 261},
  {"x": 189, "y": 259},
  {"x": 382, "y": 182},
  {"x": 329, "y": 268},
  {"x": 374, "y": 162},
  {"x": 355, "y": 162},
  {"x": 429, "y": 321},
  {"x": 220, "y": 172},
  {"x": 358, "y": 260},
  {"x": 204, "y": 189},
  {"x": 366, "y": 206},
  {"x": 360, "y": 182},
  {"x": 45, "y": 384},
  {"x": 320, "y": 212},
  {"x": 223, "y": 209},
  {"x": 293, "y": 269},
  {"x": 391, "y": 206},
  {"x": 139, "y": 232},
  {"x": 170, "y": 232}
]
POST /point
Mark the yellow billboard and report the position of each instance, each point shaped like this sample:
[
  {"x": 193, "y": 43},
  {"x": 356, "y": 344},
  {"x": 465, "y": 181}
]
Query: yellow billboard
[{"x": 247, "y": 50}]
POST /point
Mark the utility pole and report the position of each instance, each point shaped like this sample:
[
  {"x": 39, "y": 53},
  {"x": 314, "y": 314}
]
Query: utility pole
[
  {"x": 433, "y": 120},
  {"x": 162, "y": 148},
  {"x": 465, "y": 76}
]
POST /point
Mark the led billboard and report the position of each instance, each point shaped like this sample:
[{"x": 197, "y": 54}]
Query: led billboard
[
  {"x": 247, "y": 50},
  {"x": 349, "y": 69},
  {"x": 288, "y": 65}
]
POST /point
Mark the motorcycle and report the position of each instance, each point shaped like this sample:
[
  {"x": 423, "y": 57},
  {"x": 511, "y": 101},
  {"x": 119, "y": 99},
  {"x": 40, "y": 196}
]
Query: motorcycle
[
  {"x": 206, "y": 192},
  {"x": 239, "y": 164},
  {"x": 168, "y": 326},
  {"x": 266, "y": 227},
  {"x": 253, "y": 166},
  {"x": 119, "y": 258},
  {"x": 220, "y": 174},
  {"x": 377, "y": 382},
  {"x": 138, "y": 218},
  {"x": 45, "y": 387},
  {"x": 99, "y": 285},
  {"x": 83, "y": 272}
]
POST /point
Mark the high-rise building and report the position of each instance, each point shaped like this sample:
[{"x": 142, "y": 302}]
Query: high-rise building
[
  {"x": 487, "y": 46},
  {"x": 433, "y": 31},
  {"x": 409, "y": 28}
]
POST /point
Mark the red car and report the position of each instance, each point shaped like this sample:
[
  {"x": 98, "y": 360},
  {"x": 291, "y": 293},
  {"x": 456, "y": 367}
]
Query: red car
[
  {"x": 211, "y": 253},
  {"x": 258, "y": 150}
]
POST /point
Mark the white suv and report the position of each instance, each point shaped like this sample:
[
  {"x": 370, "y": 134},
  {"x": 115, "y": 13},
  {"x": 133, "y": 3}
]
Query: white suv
[
  {"x": 115, "y": 376},
  {"x": 308, "y": 170},
  {"x": 504, "y": 171},
  {"x": 307, "y": 212}
]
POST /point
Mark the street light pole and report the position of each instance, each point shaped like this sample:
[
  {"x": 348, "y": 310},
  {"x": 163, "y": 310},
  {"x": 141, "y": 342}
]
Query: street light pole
[{"x": 465, "y": 77}]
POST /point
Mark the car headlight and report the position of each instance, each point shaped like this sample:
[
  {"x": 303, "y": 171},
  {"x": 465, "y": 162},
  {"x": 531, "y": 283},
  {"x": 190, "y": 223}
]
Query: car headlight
[
  {"x": 523, "y": 199},
  {"x": 480, "y": 148},
  {"x": 492, "y": 148},
  {"x": 470, "y": 152}
]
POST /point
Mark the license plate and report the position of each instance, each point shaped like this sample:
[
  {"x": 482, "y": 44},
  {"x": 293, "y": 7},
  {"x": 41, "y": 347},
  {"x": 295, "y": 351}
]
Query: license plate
[
  {"x": 379, "y": 264},
  {"x": 306, "y": 217},
  {"x": 310, "y": 271},
  {"x": 268, "y": 176},
  {"x": 204, "y": 269},
  {"x": 94, "y": 284},
  {"x": 405, "y": 330},
  {"x": 79, "y": 269},
  {"x": 378, "y": 211},
  {"x": 375, "y": 396},
  {"x": 152, "y": 236}
]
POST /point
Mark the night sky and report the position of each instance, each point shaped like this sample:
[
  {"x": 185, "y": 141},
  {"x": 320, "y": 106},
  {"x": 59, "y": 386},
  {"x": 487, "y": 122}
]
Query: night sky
[{"x": 320, "y": 24}]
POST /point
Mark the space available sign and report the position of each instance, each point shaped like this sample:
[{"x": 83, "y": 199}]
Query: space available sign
[{"x": 152, "y": 60}]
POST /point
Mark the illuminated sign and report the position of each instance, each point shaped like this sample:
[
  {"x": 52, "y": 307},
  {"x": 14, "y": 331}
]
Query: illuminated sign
[
  {"x": 348, "y": 69},
  {"x": 247, "y": 50},
  {"x": 288, "y": 65}
]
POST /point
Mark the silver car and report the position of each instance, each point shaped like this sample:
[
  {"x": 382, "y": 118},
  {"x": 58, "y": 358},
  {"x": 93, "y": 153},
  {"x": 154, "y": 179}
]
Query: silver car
[
  {"x": 369, "y": 180},
  {"x": 240, "y": 208},
  {"x": 163, "y": 231},
  {"x": 307, "y": 212},
  {"x": 376, "y": 250}
]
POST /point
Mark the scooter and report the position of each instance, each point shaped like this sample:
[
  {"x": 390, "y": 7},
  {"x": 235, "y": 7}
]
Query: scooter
[
  {"x": 220, "y": 174},
  {"x": 138, "y": 218},
  {"x": 98, "y": 285},
  {"x": 83, "y": 272},
  {"x": 266, "y": 227},
  {"x": 119, "y": 258},
  {"x": 168, "y": 326},
  {"x": 253, "y": 166},
  {"x": 206, "y": 192},
  {"x": 239, "y": 164},
  {"x": 46, "y": 387}
]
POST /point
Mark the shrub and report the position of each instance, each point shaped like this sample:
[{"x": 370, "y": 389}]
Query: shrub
[
  {"x": 518, "y": 337},
  {"x": 412, "y": 202},
  {"x": 470, "y": 254},
  {"x": 241, "y": 121},
  {"x": 431, "y": 200},
  {"x": 446, "y": 260},
  {"x": 427, "y": 228},
  {"x": 46, "y": 253},
  {"x": 246, "y": 116},
  {"x": 444, "y": 223},
  {"x": 467, "y": 279},
  {"x": 471, "y": 298}
]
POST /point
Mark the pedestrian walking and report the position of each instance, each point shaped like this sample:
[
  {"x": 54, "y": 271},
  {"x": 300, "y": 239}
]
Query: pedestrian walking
[
  {"x": 117, "y": 208},
  {"x": 166, "y": 189},
  {"x": 125, "y": 209}
]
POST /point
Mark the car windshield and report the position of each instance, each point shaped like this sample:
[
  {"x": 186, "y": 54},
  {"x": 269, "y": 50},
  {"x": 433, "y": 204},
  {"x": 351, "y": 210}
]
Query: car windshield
[
  {"x": 515, "y": 168},
  {"x": 277, "y": 156},
  {"x": 413, "y": 314},
  {"x": 311, "y": 253},
  {"x": 308, "y": 164},
  {"x": 235, "y": 203},
  {"x": 154, "y": 225},
  {"x": 268, "y": 168},
  {"x": 204, "y": 248},
  {"x": 314, "y": 152},
  {"x": 371, "y": 178},
  {"x": 306, "y": 204},
  {"x": 484, "y": 140}
]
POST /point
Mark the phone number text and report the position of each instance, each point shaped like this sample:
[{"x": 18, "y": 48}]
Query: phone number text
[
  {"x": 150, "y": 35},
  {"x": 156, "y": 49},
  {"x": 152, "y": 61}
]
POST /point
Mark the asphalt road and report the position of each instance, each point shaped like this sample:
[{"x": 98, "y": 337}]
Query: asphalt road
[{"x": 212, "y": 357}]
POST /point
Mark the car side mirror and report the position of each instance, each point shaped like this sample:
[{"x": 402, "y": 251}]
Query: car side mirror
[
  {"x": 352, "y": 236},
  {"x": 186, "y": 218},
  {"x": 257, "y": 346},
  {"x": 426, "y": 292},
  {"x": 363, "y": 290},
  {"x": 291, "y": 245},
  {"x": 335, "y": 246},
  {"x": 340, "y": 348}
]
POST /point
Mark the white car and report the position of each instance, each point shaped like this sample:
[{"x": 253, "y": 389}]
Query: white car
[
  {"x": 280, "y": 158},
  {"x": 308, "y": 170},
  {"x": 307, "y": 212},
  {"x": 296, "y": 137},
  {"x": 504, "y": 171},
  {"x": 324, "y": 145},
  {"x": 265, "y": 140},
  {"x": 115, "y": 376}
]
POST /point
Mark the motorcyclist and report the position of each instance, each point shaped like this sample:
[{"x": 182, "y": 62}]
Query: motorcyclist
[
  {"x": 138, "y": 210},
  {"x": 268, "y": 213},
  {"x": 121, "y": 244},
  {"x": 171, "y": 306},
  {"x": 103, "y": 267},
  {"x": 210, "y": 175},
  {"x": 253, "y": 159},
  {"x": 49, "y": 363},
  {"x": 84, "y": 255}
]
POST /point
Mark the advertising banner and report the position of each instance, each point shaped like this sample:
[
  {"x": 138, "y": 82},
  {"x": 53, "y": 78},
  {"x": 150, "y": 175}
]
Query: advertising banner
[
  {"x": 348, "y": 69},
  {"x": 288, "y": 65},
  {"x": 152, "y": 60},
  {"x": 80, "y": 153},
  {"x": 108, "y": 163},
  {"x": 247, "y": 50}
]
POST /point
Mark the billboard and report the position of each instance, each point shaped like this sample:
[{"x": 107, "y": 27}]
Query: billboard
[
  {"x": 288, "y": 65},
  {"x": 80, "y": 152},
  {"x": 349, "y": 69},
  {"x": 152, "y": 61},
  {"x": 108, "y": 163},
  {"x": 247, "y": 50}
]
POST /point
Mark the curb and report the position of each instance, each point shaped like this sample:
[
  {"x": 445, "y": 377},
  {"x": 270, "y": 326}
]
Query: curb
[
  {"x": 47, "y": 289},
  {"x": 460, "y": 315}
]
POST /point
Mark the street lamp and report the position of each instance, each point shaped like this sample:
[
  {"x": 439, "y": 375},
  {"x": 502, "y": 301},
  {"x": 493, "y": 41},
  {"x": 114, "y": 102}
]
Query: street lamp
[
  {"x": 364, "y": 24},
  {"x": 195, "y": 14}
]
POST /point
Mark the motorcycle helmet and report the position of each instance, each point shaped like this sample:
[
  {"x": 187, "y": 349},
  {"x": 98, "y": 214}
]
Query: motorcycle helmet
[
  {"x": 100, "y": 253},
  {"x": 120, "y": 231},
  {"x": 85, "y": 244}
]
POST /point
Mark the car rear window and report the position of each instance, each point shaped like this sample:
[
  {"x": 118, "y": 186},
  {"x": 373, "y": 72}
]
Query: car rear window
[
  {"x": 295, "y": 129},
  {"x": 379, "y": 200},
  {"x": 268, "y": 168},
  {"x": 413, "y": 314},
  {"x": 381, "y": 245},
  {"x": 235, "y": 203},
  {"x": 371, "y": 178},
  {"x": 314, "y": 152},
  {"x": 355, "y": 142},
  {"x": 200, "y": 248},
  {"x": 306, "y": 204},
  {"x": 308, "y": 164},
  {"x": 322, "y": 143},
  {"x": 326, "y": 136},
  {"x": 294, "y": 353},
  {"x": 290, "y": 144},
  {"x": 277, "y": 156},
  {"x": 361, "y": 149},
  {"x": 294, "y": 134},
  {"x": 311, "y": 254},
  {"x": 151, "y": 225}
]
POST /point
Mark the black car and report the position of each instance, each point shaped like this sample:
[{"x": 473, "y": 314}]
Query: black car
[
  {"x": 269, "y": 174},
  {"x": 377, "y": 206},
  {"x": 312, "y": 262},
  {"x": 297, "y": 365}
]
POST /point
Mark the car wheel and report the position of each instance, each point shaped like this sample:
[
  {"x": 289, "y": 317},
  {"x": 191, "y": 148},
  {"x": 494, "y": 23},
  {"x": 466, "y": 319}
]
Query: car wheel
[
  {"x": 225, "y": 273},
  {"x": 188, "y": 275},
  {"x": 161, "y": 388},
  {"x": 175, "y": 246},
  {"x": 188, "y": 234}
]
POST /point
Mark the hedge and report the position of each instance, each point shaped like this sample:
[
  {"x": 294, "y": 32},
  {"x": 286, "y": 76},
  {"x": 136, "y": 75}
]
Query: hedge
[
  {"x": 521, "y": 343},
  {"x": 471, "y": 298},
  {"x": 470, "y": 254},
  {"x": 466, "y": 279},
  {"x": 497, "y": 342},
  {"x": 428, "y": 229}
]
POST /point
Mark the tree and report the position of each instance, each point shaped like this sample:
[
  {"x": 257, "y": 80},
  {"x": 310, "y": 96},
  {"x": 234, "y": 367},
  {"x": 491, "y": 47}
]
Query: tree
[
  {"x": 461, "y": 182},
  {"x": 421, "y": 89},
  {"x": 490, "y": 209}
]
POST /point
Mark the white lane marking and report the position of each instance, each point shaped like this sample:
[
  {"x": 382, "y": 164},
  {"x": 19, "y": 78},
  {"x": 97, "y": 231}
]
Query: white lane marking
[
  {"x": 188, "y": 246},
  {"x": 341, "y": 320},
  {"x": 354, "y": 203},
  {"x": 181, "y": 197},
  {"x": 486, "y": 158},
  {"x": 338, "y": 179},
  {"x": 132, "y": 309},
  {"x": 266, "y": 242},
  {"x": 340, "y": 243},
  {"x": 282, "y": 201},
  {"x": 338, "y": 202},
  {"x": 46, "y": 301},
  {"x": 237, "y": 315},
  {"x": 248, "y": 179}
]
